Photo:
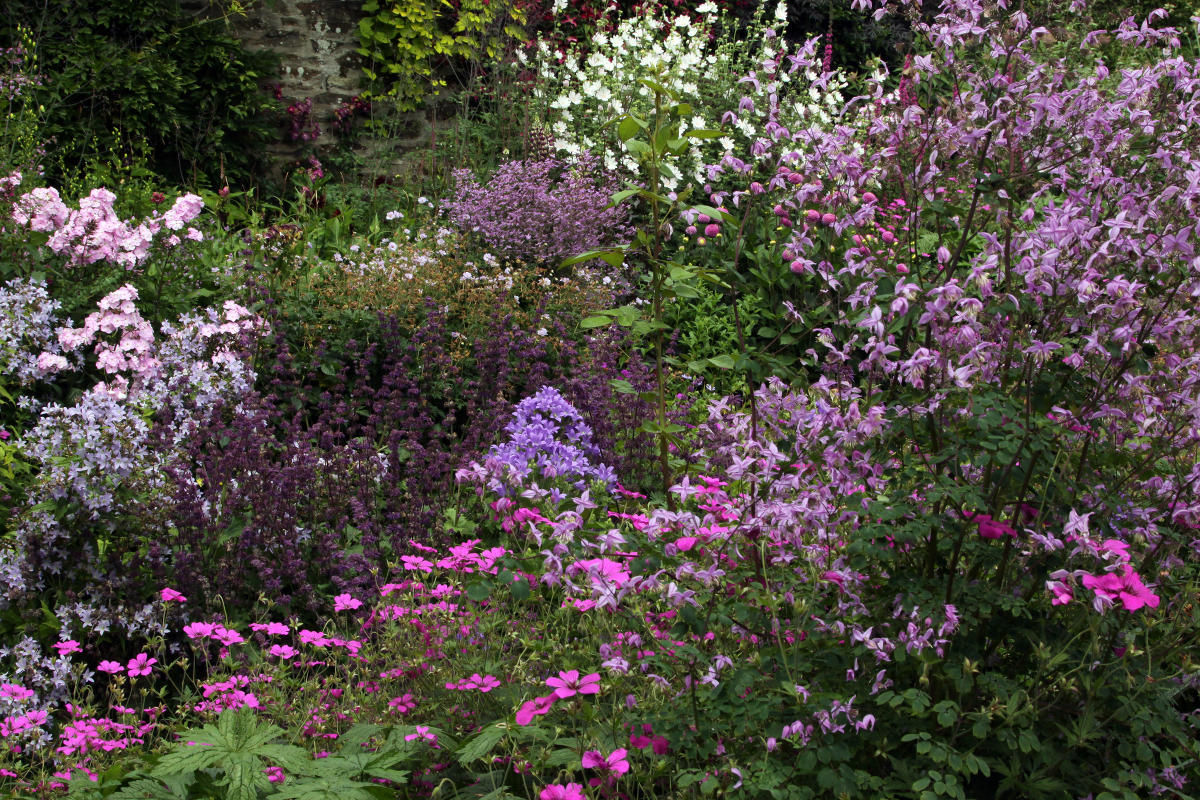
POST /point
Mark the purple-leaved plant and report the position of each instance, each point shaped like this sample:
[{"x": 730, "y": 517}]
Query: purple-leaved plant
[{"x": 542, "y": 211}]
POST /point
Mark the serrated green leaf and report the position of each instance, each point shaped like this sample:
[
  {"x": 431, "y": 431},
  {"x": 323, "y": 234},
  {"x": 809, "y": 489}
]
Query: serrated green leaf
[
  {"x": 148, "y": 789},
  {"x": 481, "y": 744}
]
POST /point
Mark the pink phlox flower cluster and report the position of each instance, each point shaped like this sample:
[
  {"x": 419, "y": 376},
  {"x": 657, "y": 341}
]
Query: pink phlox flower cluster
[
  {"x": 25, "y": 724},
  {"x": 462, "y": 559},
  {"x": 94, "y": 232}
]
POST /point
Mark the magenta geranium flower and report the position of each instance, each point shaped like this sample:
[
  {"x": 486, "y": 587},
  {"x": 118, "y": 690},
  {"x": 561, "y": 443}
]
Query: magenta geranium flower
[
  {"x": 111, "y": 667},
  {"x": 67, "y": 647},
  {"x": 568, "y": 684},
  {"x": 140, "y": 665},
  {"x": 171, "y": 596},
  {"x": 614, "y": 762},
  {"x": 535, "y": 708},
  {"x": 556, "y": 791},
  {"x": 346, "y": 602}
]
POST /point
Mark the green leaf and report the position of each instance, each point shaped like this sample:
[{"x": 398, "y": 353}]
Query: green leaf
[
  {"x": 722, "y": 361},
  {"x": 622, "y": 386},
  {"x": 482, "y": 744},
  {"x": 613, "y": 257},
  {"x": 703, "y": 133},
  {"x": 628, "y": 128},
  {"x": 595, "y": 321},
  {"x": 656, "y": 87},
  {"x": 478, "y": 591},
  {"x": 638, "y": 148}
]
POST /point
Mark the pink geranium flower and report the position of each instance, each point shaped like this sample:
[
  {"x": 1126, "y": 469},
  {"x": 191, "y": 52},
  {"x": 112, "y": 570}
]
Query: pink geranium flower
[
  {"x": 67, "y": 647},
  {"x": 614, "y": 763},
  {"x": 534, "y": 708},
  {"x": 169, "y": 595},
  {"x": 344, "y": 602},
  {"x": 556, "y": 791},
  {"x": 111, "y": 667},
  {"x": 140, "y": 665},
  {"x": 568, "y": 684}
]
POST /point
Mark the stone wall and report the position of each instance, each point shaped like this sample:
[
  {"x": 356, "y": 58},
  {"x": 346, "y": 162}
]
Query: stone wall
[{"x": 316, "y": 42}]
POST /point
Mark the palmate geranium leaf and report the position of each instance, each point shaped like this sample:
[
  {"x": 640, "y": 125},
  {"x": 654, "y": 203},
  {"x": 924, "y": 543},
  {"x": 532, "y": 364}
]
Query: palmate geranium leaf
[
  {"x": 240, "y": 745},
  {"x": 153, "y": 789},
  {"x": 332, "y": 788}
]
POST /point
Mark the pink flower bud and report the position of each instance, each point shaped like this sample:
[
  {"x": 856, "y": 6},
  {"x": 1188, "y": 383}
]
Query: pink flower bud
[
  {"x": 888, "y": 236},
  {"x": 712, "y": 229},
  {"x": 869, "y": 197},
  {"x": 902, "y": 269},
  {"x": 756, "y": 188},
  {"x": 704, "y": 218},
  {"x": 690, "y": 230},
  {"x": 828, "y": 218},
  {"x": 794, "y": 178},
  {"x": 779, "y": 211},
  {"x": 812, "y": 215},
  {"x": 796, "y": 266}
]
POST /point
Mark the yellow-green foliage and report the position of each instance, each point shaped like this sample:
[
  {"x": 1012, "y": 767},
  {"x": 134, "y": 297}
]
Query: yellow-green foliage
[{"x": 406, "y": 42}]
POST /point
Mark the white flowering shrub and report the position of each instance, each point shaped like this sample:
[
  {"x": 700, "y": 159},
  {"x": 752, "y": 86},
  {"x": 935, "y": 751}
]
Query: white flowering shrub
[{"x": 697, "y": 58}]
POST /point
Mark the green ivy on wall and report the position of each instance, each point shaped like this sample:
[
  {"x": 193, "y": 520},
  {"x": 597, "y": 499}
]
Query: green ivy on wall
[{"x": 410, "y": 45}]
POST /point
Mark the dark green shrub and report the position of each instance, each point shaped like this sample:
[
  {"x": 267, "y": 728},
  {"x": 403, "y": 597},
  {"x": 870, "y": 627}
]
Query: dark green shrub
[{"x": 145, "y": 80}]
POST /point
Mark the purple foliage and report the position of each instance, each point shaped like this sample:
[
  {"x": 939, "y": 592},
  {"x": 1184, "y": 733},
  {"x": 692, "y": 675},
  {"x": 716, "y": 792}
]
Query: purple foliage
[{"x": 540, "y": 212}]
